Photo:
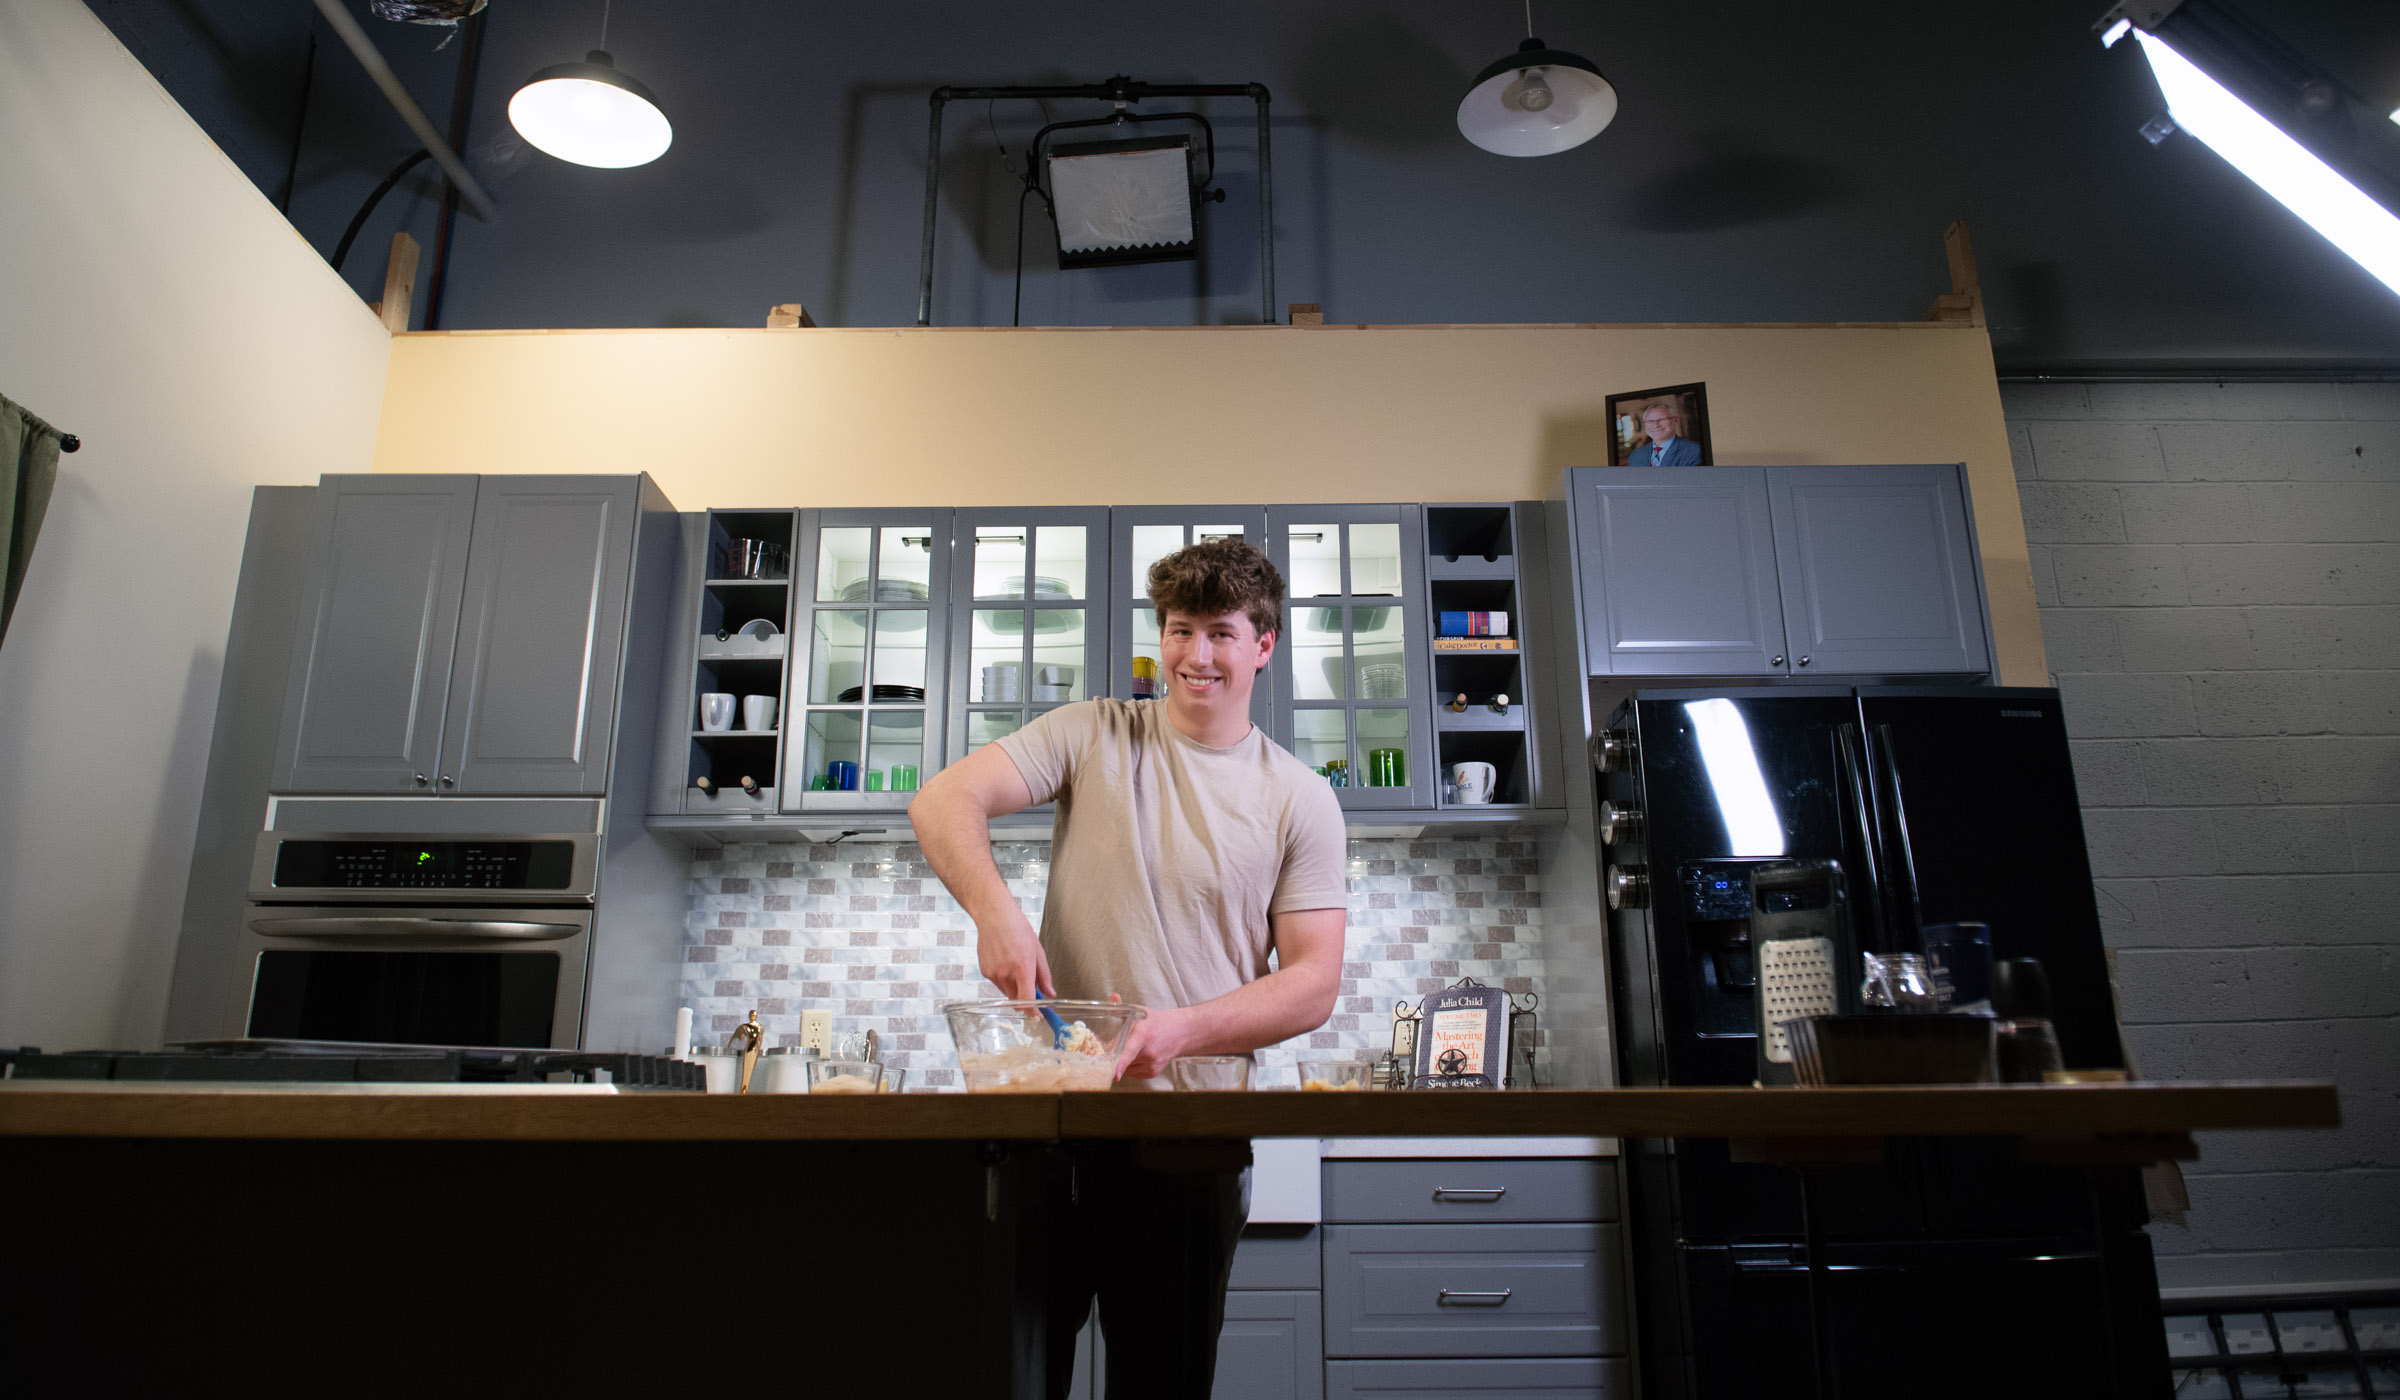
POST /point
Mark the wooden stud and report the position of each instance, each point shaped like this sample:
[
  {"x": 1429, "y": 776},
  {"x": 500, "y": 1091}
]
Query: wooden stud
[
  {"x": 789, "y": 316},
  {"x": 1965, "y": 300},
  {"x": 399, "y": 284},
  {"x": 1307, "y": 313}
]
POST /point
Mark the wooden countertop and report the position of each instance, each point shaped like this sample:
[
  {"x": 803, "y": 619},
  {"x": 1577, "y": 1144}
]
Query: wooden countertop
[{"x": 36, "y": 1108}]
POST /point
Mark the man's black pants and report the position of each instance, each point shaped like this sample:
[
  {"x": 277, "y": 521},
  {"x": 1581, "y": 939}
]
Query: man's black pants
[{"x": 1149, "y": 1229}]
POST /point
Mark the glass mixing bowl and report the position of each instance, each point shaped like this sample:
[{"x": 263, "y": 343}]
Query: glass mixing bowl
[{"x": 1007, "y": 1047}]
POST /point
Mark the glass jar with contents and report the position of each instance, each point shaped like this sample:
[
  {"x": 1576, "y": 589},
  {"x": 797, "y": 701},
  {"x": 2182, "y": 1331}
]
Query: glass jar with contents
[{"x": 1897, "y": 982}]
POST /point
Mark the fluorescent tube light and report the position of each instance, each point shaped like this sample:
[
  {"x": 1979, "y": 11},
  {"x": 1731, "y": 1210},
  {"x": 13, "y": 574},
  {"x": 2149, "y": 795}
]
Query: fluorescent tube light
[
  {"x": 2276, "y": 163},
  {"x": 1733, "y": 775}
]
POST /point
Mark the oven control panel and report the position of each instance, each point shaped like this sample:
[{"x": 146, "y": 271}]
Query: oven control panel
[{"x": 399, "y": 864}]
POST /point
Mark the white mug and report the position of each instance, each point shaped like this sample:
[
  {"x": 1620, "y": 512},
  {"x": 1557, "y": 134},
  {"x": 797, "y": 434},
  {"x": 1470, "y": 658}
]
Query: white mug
[
  {"x": 1474, "y": 781},
  {"x": 758, "y": 712},
  {"x": 716, "y": 710}
]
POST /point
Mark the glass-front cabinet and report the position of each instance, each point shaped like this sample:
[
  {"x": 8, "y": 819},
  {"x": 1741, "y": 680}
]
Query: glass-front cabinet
[
  {"x": 869, "y": 650},
  {"x": 1350, "y": 663},
  {"x": 1029, "y": 617},
  {"x": 1140, "y": 536}
]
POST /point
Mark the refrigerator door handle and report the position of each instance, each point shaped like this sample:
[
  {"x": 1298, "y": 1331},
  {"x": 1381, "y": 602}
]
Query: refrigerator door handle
[
  {"x": 1904, "y": 868},
  {"x": 1852, "y": 775}
]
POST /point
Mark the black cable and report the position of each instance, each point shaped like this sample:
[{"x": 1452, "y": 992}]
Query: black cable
[
  {"x": 1016, "y": 312},
  {"x": 358, "y": 221}
]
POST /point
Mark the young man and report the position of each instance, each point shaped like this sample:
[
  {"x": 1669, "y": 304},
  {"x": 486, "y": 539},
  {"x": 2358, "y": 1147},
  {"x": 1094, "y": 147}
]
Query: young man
[{"x": 1188, "y": 847}]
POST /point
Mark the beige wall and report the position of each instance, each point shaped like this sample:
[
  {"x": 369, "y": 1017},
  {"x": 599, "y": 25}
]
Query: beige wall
[
  {"x": 154, "y": 303},
  {"x": 1121, "y": 417}
]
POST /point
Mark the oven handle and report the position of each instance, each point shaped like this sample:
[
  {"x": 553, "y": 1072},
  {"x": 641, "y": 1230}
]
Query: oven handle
[{"x": 395, "y": 926}]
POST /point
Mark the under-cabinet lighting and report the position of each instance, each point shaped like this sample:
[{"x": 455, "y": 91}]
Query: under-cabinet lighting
[{"x": 2275, "y": 162}]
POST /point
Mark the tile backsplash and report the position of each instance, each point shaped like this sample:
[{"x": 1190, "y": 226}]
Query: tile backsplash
[{"x": 869, "y": 932}]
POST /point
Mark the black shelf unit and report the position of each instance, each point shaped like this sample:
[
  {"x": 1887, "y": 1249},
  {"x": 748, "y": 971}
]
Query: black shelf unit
[
  {"x": 1472, "y": 553},
  {"x": 730, "y": 660}
]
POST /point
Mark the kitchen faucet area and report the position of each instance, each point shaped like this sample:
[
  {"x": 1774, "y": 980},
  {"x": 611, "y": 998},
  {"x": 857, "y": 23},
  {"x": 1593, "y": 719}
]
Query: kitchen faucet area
[{"x": 1556, "y": 749}]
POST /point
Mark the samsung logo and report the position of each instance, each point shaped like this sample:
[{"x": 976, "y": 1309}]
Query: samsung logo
[{"x": 2022, "y": 714}]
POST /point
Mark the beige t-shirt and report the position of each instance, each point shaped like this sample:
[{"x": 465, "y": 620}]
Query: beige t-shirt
[{"x": 1170, "y": 855}]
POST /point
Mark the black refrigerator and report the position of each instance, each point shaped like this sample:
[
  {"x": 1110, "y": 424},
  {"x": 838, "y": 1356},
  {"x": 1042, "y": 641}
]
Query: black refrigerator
[{"x": 1939, "y": 806}]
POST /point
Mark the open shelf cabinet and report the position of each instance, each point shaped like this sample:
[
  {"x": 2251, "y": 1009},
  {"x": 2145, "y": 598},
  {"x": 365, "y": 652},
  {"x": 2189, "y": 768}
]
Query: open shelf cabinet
[{"x": 742, "y": 642}]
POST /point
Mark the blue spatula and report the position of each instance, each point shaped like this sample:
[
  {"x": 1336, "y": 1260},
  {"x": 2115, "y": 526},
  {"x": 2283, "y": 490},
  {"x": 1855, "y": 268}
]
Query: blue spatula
[{"x": 1058, "y": 1026}]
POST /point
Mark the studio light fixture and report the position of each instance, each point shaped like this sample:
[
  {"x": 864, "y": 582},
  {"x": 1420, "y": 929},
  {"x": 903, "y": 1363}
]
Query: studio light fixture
[
  {"x": 590, "y": 113},
  {"x": 2228, "y": 110},
  {"x": 1537, "y": 101}
]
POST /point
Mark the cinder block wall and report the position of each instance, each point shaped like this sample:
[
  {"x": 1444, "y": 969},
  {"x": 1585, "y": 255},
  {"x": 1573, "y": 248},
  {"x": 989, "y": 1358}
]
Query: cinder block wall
[{"x": 2218, "y": 569}]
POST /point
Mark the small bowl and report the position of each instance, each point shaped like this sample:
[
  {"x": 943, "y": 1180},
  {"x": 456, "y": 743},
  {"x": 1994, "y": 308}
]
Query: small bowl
[
  {"x": 853, "y": 1077},
  {"x": 1007, "y": 1047},
  {"x": 1210, "y": 1073},
  {"x": 1336, "y": 1076}
]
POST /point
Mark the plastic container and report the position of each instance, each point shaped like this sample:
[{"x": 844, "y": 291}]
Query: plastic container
[
  {"x": 1829, "y": 1051},
  {"x": 1006, "y": 1047}
]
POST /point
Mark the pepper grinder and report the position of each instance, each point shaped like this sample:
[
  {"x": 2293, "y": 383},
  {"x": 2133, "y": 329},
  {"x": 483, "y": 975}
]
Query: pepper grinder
[{"x": 745, "y": 1042}]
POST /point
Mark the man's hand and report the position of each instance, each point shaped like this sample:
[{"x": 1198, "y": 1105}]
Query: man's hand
[
  {"x": 1155, "y": 1040},
  {"x": 1293, "y": 999},
  {"x": 1009, "y": 952}
]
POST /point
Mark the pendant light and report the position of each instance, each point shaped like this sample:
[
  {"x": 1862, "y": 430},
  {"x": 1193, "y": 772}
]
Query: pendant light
[
  {"x": 1537, "y": 101},
  {"x": 590, "y": 113}
]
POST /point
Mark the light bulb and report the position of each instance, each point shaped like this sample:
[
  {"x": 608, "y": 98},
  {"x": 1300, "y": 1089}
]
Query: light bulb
[{"x": 1535, "y": 95}]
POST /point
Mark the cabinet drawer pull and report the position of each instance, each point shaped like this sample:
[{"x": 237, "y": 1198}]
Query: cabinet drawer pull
[
  {"x": 1480, "y": 1300},
  {"x": 1472, "y": 1193}
]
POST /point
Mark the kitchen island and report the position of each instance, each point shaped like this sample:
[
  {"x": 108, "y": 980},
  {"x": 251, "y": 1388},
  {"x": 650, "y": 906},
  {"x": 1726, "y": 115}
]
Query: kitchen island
[{"x": 571, "y": 1239}]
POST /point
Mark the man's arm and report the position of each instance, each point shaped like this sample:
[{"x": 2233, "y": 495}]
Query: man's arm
[
  {"x": 953, "y": 820},
  {"x": 1297, "y": 996}
]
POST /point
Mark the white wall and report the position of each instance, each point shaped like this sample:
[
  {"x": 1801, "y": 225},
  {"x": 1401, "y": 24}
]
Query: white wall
[
  {"x": 154, "y": 303},
  {"x": 2219, "y": 573}
]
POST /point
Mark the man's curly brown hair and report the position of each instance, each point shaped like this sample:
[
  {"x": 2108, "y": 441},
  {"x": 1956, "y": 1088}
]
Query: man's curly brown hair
[{"x": 1215, "y": 577}]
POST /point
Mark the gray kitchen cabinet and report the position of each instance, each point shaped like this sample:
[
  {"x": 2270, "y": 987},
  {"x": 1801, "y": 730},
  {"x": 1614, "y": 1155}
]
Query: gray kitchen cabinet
[
  {"x": 1515, "y": 1378},
  {"x": 461, "y": 635},
  {"x": 532, "y": 702},
  {"x": 371, "y": 664},
  {"x": 1677, "y": 570},
  {"x": 1349, "y": 669},
  {"x": 1777, "y": 571},
  {"x": 1471, "y": 1290},
  {"x": 1140, "y": 536},
  {"x": 1517, "y": 1262},
  {"x": 1029, "y": 618},
  {"x": 1878, "y": 570},
  {"x": 1273, "y": 1341},
  {"x": 1272, "y": 1347},
  {"x": 869, "y": 650},
  {"x": 1471, "y": 1190}
]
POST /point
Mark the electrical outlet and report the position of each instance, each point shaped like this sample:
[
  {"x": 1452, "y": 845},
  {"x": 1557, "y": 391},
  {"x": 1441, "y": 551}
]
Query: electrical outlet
[{"x": 816, "y": 1031}]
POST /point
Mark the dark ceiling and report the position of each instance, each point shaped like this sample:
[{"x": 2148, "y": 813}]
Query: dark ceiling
[{"x": 1771, "y": 162}]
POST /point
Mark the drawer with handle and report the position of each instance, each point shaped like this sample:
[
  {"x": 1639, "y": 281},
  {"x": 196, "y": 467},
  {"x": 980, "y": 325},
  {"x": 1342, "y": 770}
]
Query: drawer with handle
[
  {"x": 1473, "y": 1290},
  {"x": 1516, "y": 1378},
  {"x": 1495, "y": 1189}
]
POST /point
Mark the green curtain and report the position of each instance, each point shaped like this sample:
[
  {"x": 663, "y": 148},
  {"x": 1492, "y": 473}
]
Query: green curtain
[{"x": 28, "y": 469}]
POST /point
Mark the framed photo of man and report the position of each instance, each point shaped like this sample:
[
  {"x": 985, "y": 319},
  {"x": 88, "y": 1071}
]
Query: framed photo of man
[{"x": 1660, "y": 427}]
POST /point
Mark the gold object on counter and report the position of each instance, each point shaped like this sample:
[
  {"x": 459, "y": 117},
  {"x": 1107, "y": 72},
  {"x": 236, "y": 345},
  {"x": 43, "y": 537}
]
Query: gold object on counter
[
  {"x": 1458, "y": 703},
  {"x": 746, "y": 1041}
]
